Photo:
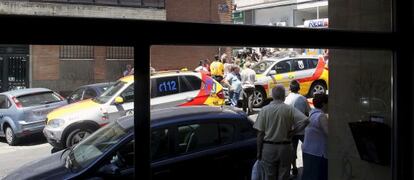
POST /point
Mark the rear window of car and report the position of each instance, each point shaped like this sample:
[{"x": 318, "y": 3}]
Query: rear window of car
[{"x": 38, "y": 99}]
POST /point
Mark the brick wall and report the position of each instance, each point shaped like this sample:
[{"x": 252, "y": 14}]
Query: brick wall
[
  {"x": 45, "y": 62},
  {"x": 177, "y": 57},
  {"x": 63, "y": 76}
]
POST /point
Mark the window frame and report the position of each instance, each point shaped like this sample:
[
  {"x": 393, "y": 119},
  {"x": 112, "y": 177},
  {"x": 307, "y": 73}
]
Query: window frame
[{"x": 49, "y": 30}]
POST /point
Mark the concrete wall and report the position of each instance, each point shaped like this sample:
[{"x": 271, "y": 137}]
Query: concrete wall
[
  {"x": 355, "y": 74},
  {"x": 76, "y": 10}
]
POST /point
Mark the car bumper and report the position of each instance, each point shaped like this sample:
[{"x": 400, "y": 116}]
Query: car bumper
[
  {"x": 53, "y": 136},
  {"x": 28, "y": 128}
]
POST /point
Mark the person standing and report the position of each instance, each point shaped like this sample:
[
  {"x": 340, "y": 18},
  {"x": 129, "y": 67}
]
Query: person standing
[
  {"x": 129, "y": 70},
  {"x": 201, "y": 67},
  {"x": 248, "y": 78},
  {"x": 276, "y": 123},
  {"x": 314, "y": 149},
  {"x": 299, "y": 102},
  {"x": 217, "y": 69},
  {"x": 227, "y": 67},
  {"x": 232, "y": 81}
]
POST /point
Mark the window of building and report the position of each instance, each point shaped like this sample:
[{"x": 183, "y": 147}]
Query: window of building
[
  {"x": 76, "y": 52},
  {"x": 119, "y": 53}
]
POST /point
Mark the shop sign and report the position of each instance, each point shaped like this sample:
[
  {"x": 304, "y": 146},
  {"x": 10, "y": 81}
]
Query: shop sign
[{"x": 317, "y": 23}]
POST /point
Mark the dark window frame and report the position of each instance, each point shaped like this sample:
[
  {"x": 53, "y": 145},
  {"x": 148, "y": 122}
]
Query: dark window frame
[{"x": 49, "y": 30}]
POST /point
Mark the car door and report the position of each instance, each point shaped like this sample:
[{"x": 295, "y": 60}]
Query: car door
[
  {"x": 161, "y": 149},
  {"x": 77, "y": 95},
  {"x": 126, "y": 108},
  {"x": 166, "y": 90},
  {"x": 301, "y": 69},
  {"x": 5, "y": 105},
  {"x": 283, "y": 74},
  {"x": 197, "y": 151}
]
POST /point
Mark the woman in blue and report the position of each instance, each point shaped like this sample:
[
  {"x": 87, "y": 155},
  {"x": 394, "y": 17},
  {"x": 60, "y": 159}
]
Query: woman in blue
[
  {"x": 314, "y": 148},
  {"x": 232, "y": 81}
]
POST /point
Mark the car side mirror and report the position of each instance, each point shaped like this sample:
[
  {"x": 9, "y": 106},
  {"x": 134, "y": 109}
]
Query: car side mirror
[
  {"x": 109, "y": 170},
  {"x": 119, "y": 100},
  {"x": 272, "y": 72}
]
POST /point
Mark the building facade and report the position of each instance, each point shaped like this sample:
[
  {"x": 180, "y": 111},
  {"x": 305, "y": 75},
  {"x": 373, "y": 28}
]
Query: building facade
[
  {"x": 63, "y": 68},
  {"x": 291, "y": 13}
]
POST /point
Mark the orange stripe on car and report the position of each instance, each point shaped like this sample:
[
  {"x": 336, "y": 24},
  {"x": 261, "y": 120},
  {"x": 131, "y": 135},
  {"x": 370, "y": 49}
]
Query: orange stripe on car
[{"x": 317, "y": 74}]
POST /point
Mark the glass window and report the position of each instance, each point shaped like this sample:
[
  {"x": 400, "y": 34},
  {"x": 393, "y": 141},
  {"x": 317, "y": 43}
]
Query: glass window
[
  {"x": 246, "y": 130},
  {"x": 89, "y": 93},
  {"x": 300, "y": 64},
  {"x": 4, "y": 102},
  {"x": 189, "y": 83},
  {"x": 95, "y": 145},
  {"x": 128, "y": 94},
  {"x": 197, "y": 137},
  {"x": 282, "y": 67},
  {"x": 107, "y": 95},
  {"x": 167, "y": 86},
  {"x": 226, "y": 133},
  {"x": 38, "y": 99},
  {"x": 261, "y": 67},
  {"x": 116, "y": 53},
  {"x": 312, "y": 63},
  {"x": 159, "y": 143},
  {"x": 77, "y": 95},
  {"x": 76, "y": 52}
]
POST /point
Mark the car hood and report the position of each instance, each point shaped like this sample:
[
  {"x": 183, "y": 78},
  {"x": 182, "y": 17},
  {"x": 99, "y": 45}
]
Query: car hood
[
  {"x": 50, "y": 167},
  {"x": 72, "y": 109}
]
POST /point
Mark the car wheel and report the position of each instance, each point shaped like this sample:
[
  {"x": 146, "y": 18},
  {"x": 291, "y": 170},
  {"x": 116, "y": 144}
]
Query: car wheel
[
  {"x": 317, "y": 88},
  {"x": 259, "y": 98},
  {"x": 10, "y": 136},
  {"x": 76, "y": 136}
]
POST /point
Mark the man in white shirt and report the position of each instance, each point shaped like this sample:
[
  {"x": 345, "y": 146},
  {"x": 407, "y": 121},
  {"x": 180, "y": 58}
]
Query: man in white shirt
[
  {"x": 298, "y": 101},
  {"x": 248, "y": 78}
]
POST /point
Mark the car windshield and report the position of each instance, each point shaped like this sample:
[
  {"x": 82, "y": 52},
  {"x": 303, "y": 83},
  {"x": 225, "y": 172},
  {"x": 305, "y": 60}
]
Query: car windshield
[
  {"x": 94, "y": 146},
  {"x": 261, "y": 67},
  {"x": 110, "y": 92}
]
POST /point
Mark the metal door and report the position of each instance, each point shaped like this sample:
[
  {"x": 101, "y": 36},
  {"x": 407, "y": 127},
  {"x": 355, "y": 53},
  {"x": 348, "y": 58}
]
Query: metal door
[{"x": 14, "y": 67}]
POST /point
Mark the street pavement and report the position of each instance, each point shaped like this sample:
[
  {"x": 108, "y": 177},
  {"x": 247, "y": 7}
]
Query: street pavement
[
  {"x": 36, "y": 147},
  {"x": 13, "y": 157}
]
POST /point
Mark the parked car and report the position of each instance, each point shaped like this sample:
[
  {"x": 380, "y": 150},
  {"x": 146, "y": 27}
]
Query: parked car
[
  {"x": 311, "y": 72},
  {"x": 68, "y": 125},
  {"x": 186, "y": 143},
  {"x": 88, "y": 91},
  {"x": 23, "y": 112}
]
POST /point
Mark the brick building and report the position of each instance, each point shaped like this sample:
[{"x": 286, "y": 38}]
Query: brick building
[{"x": 63, "y": 68}]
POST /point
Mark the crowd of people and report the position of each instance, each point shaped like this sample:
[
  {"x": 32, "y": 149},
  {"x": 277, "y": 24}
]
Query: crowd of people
[
  {"x": 280, "y": 126},
  {"x": 236, "y": 75}
]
